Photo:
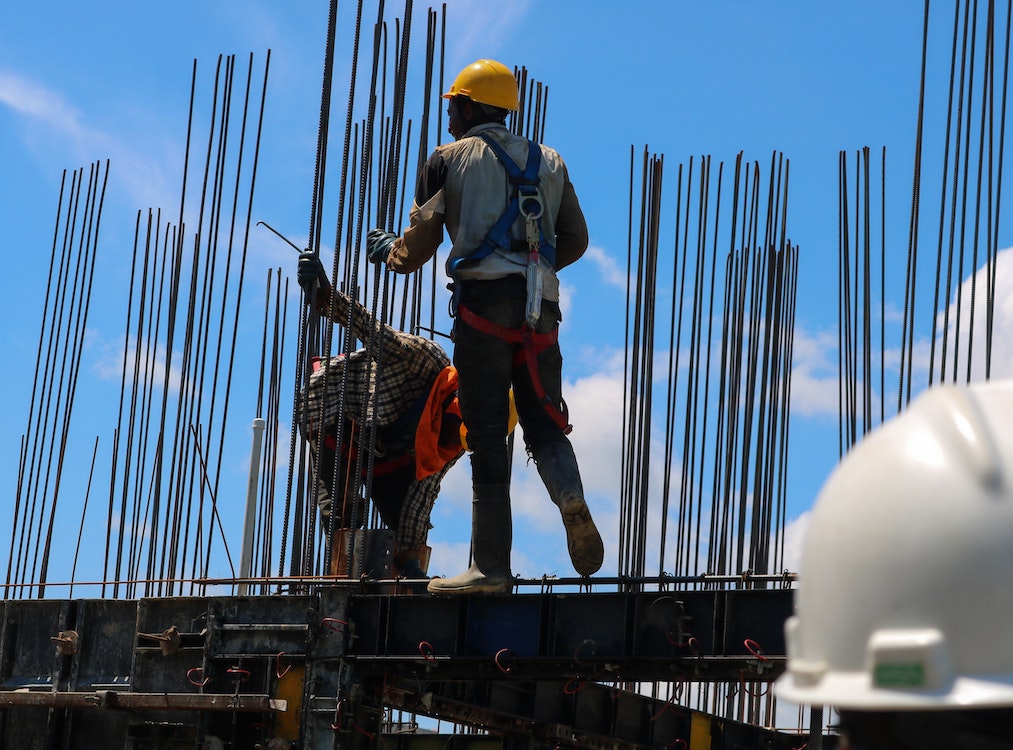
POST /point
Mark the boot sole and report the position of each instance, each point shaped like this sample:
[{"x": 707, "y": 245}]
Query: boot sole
[
  {"x": 439, "y": 586},
  {"x": 582, "y": 538}
]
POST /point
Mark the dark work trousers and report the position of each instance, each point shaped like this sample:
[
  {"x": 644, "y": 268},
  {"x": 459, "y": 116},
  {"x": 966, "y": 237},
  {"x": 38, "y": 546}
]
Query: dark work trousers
[
  {"x": 488, "y": 366},
  {"x": 388, "y": 490}
]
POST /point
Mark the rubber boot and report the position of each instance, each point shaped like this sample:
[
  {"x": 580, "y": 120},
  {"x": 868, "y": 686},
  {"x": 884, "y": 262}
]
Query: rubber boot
[
  {"x": 491, "y": 538},
  {"x": 557, "y": 466},
  {"x": 411, "y": 565}
]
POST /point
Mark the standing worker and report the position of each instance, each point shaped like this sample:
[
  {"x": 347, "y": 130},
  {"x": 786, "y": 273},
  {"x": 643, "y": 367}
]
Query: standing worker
[
  {"x": 514, "y": 220},
  {"x": 409, "y": 396},
  {"x": 905, "y": 595}
]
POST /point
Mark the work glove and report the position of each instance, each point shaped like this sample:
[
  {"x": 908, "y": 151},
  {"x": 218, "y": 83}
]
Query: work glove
[
  {"x": 378, "y": 244},
  {"x": 311, "y": 274}
]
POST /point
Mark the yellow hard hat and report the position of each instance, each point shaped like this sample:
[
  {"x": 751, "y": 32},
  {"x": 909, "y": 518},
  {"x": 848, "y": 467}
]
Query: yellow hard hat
[{"x": 487, "y": 82}]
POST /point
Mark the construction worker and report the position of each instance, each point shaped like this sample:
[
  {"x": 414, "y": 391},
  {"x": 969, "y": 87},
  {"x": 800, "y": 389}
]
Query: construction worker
[
  {"x": 514, "y": 220},
  {"x": 905, "y": 593},
  {"x": 407, "y": 388}
]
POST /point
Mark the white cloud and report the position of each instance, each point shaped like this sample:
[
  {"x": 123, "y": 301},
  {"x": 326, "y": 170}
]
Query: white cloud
[
  {"x": 814, "y": 373},
  {"x": 47, "y": 111},
  {"x": 35, "y": 101},
  {"x": 964, "y": 330},
  {"x": 109, "y": 363},
  {"x": 610, "y": 271},
  {"x": 449, "y": 558},
  {"x": 794, "y": 536}
]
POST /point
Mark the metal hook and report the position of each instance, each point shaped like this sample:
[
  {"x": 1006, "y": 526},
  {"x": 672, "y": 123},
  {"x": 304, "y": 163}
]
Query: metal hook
[
  {"x": 502, "y": 652},
  {"x": 754, "y": 648},
  {"x": 332, "y": 623},
  {"x": 569, "y": 688},
  {"x": 277, "y": 666},
  {"x": 297, "y": 249}
]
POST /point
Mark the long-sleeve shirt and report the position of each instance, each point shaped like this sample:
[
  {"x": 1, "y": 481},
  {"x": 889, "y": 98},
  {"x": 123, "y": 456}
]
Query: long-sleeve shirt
[
  {"x": 408, "y": 365},
  {"x": 464, "y": 187}
]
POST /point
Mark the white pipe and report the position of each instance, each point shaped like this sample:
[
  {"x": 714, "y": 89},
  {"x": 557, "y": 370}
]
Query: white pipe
[{"x": 246, "y": 562}]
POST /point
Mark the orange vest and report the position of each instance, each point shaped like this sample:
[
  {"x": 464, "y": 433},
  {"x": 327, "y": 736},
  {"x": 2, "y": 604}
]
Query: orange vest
[{"x": 430, "y": 455}]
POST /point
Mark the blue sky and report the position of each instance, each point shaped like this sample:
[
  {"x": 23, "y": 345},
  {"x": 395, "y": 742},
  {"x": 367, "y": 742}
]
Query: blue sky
[{"x": 81, "y": 83}]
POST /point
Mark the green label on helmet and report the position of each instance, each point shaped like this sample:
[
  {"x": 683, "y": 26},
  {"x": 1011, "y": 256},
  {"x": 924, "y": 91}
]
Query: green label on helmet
[{"x": 899, "y": 675}]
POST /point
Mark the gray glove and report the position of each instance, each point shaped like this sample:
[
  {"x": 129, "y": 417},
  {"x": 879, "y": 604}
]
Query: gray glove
[
  {"x": 378, "y": 244},
  {"x": 311, "y": 274}
]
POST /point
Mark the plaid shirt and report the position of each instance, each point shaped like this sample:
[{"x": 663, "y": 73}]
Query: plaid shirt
[
  {"x": 407, "y": 366},
  {"x": 384, "y": 381}
]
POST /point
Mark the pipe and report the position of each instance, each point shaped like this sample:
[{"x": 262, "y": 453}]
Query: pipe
[{"x": 246, "y": 561}]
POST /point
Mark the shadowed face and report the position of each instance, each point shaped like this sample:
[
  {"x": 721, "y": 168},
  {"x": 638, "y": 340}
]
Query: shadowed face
[{"x": 459, "y": 113}]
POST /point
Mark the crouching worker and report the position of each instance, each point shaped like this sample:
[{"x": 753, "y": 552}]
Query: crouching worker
[{"x": 407, "y": 389}]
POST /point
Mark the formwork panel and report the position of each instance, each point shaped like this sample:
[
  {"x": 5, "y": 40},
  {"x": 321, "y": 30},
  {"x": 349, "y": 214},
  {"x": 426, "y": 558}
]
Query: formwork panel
[
  {"x": 587, "y": 629},
  {"x": 670, "y": 725},
  {"x": 28, "y": 656},
  {"x": 105, "y": 628},
  {"x": 514, "y": 699},
  {"x": 552, "y": 703},
  {"x": 329, "y": 624},
  {"x": 364, "y": 622},
  {"x": 260, "y": 624},
  {"x": 674, "y": 624},
  {"x": 632, "y": 720},
  {"x": 179, "y": 671},
  {"x": 89, "y": 729},
  {"x": 513, "y": 623},
  {"x": 754, "y": 621},
  {"x": 27, "y": 729},
  {"x": 423, "y": 626},
  {"x": 593, "y": 711}
]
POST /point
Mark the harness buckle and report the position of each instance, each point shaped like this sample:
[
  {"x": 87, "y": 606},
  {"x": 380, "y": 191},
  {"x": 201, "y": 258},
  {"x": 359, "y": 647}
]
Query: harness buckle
[{"x": 530, "y": 207}]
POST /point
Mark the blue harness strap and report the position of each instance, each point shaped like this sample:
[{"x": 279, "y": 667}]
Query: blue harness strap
[{"x": 525, "y": 184}]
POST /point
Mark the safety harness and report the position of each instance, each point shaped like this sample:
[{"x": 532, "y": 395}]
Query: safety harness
[
  {"x": 397, "y": 438},
  {"x": 526, "y": 203}
]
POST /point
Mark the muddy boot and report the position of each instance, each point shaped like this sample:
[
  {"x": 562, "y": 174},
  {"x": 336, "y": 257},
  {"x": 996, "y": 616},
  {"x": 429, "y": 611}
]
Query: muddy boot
[
  {"x": 557, "y": 467},
  {"x": 491, "y": 537}
]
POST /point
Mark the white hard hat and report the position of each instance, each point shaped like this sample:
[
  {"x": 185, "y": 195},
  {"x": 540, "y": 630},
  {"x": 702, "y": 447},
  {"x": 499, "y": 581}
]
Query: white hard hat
[{"x": 905, "y": 595}]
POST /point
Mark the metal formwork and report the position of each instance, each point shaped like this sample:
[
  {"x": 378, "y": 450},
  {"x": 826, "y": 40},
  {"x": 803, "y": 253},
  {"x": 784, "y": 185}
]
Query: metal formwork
[{"x": 329, "y": 668}]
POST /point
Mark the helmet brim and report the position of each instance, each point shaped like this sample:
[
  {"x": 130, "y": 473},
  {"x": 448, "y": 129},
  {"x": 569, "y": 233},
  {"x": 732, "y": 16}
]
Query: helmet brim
[{"x": 854, "y": 691}]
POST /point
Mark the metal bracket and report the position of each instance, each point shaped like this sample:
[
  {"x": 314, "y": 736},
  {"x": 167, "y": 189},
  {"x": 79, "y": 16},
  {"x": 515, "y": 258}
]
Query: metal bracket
[
  {"x": 66, "y": 642},
  {"x": 169, "y": 640}
]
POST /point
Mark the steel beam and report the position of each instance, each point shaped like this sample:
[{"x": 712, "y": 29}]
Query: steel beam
[{"x": 113, "y": 699}]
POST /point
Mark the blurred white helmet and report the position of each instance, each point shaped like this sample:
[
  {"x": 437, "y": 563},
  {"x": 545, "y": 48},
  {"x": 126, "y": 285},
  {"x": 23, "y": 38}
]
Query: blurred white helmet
[{"x": 905, "y": 596}]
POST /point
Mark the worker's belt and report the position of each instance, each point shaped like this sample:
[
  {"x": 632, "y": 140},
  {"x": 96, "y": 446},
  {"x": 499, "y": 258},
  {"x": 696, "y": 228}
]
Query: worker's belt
[
  {"x": 381, "y": 466},
  {"x": 531, "y": 345}
]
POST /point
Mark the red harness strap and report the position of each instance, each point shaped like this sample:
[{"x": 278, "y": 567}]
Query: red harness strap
[
  {"x": 531, "y": 345},
  {"x": 380, "y": 467}
]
